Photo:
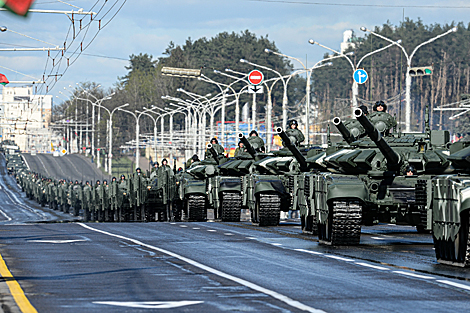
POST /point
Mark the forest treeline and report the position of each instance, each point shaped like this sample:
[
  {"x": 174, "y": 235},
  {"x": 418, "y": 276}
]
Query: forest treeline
[{"x": 143, "y": 85}]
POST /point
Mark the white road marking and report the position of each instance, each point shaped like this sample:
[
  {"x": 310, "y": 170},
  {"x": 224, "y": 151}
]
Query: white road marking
[
  {"x": 172, "y": 223},
  {"x": 58, "y": 241},
  {"x": 183, "y": 226},
  {"x": 338, "y": 258},
  {"x": 271, "y": 293},
  {"x": 413, "y": 275},
  {"x": 251, "y": 238},
  {"x": 373, "y": 266},
  {"x": 6, "y": 216},
  {"x": 308, "y": 251},
  {"x": 212, "y": 230},
  {"x": 151, "y": 304},
  {"x": 276, "y": 244},
  {"x": 196, "y": 228},
  {"x": 228, "y": 234},
  {"x": 462, "y": 286},
  {"x": 378, "y": 238}
]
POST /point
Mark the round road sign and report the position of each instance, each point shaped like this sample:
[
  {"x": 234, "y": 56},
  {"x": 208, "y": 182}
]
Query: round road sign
[
  {"x": 255, "y": 77},
  {"x": 360, "y": 76}
]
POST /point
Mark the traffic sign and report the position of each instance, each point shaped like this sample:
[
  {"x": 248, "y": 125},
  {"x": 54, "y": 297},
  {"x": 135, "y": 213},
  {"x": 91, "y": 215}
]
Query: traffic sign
[
  {"x": 360, "y": 76},
  {"x": 255, "y": 89},
  {"x": 255, "y": 77}
]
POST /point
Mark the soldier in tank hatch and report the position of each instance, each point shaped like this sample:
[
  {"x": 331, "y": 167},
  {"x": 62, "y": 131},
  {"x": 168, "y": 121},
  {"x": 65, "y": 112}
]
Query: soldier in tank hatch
[{"x": 295, "y": 132}]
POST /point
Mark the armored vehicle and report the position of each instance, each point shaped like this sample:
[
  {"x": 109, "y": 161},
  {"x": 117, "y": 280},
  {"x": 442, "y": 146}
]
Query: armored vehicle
[
  {"x": 231, "y": 181},
  {"x": 368, "y": 184},
  {"x": 450, "y": 210},
  {"x": 197, "y": 190}
]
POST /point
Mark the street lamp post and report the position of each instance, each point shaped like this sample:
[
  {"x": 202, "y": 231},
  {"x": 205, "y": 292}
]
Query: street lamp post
[
  {"x": 408, "y": 67},
  {"x": 110, "y": 152}
]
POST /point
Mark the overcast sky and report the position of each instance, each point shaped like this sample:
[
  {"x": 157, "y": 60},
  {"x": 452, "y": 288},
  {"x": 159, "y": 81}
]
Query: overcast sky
[{"x": 147, "y": 26}]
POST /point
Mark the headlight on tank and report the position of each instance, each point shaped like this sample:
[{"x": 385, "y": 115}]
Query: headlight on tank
[
  {"x": 149, "y": 187},
  {"x": 124, "y": 193}
]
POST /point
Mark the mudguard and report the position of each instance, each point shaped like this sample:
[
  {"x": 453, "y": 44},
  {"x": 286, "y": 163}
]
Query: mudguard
[
  {"x": 330, "y": 187},
  {"x": 267, "y": 184}
]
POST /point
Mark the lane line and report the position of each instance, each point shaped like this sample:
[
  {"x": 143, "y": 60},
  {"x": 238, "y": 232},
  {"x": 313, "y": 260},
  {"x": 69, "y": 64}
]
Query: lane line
[
  {"x": 271, "y": 293},
  {"x": 308, "y": 251},
  {"x": 447, "y": 282},
  {"x": 15, "y": 289},
  {"x": 338, "y": 258},
  {"x": 413, "y": 275},
  {"x": 373, "y": 266}
]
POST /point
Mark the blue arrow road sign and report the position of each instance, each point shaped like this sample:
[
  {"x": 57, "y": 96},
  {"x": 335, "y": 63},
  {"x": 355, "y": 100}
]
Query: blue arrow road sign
[{"x": 360, "y": 76}]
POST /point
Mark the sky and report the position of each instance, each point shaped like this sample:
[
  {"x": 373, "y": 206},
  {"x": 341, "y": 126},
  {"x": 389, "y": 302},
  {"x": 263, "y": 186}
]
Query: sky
[{"x": 147, "y": 26}]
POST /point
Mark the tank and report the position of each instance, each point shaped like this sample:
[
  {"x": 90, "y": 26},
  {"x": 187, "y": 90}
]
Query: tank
[
  {"x": 275, "y": 183},
  {"x": 450, "y": 210},
  {"x": 299, "y": 183},
  {"x": 231, "y": 180},
  {"x": 197, "y": 191},
  {"x": 366, "y": 183}
]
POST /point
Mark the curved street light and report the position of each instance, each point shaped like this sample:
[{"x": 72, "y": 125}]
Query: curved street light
[{"x": 408, "y": 67}]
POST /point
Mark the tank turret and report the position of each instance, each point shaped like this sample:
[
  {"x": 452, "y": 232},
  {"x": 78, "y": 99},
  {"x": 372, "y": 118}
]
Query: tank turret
[
  {"x": 393, "y": 159},
  {"x": 348, "y": 137},
  {"x": 292, "y": 148},
  {"x": 248, "y": 146},
  {"x": 213, "y": 152}
]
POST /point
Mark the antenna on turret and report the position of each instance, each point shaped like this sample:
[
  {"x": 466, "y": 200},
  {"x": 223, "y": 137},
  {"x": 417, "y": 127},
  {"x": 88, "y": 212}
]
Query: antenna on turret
[
  {"x": 427, "y": 116},
  {"x": 328, "y": 135}
]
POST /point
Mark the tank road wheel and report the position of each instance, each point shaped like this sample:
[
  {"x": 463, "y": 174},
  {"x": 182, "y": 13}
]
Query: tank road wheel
[
  {"x": 455, "y": 252},
  {"x": 196, "y": 208},
  {"x": 269, "y": 209},
  {"x": 343, "y": 225},
  {"x": 169, "y": 212},
  {"x": 309, "y": 224},
  {"x": 231, "y": 204}
]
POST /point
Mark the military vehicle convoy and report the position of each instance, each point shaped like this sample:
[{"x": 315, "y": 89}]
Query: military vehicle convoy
[{"x": 360, "y": 181}]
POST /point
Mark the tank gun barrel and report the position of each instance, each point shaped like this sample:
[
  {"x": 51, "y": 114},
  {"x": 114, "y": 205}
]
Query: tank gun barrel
[
  {"x": 343, "y": 130},
  {"x": 393, "y": 159},
  {"x": 292, "y": 148},
  {"x": 248, "y": 146},
  {"x": 213, "y": 152}
]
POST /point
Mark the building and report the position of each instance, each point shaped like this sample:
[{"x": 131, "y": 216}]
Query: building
[
  {"x": 349, "y": 39},
  {"x": 25, "y": 118}
]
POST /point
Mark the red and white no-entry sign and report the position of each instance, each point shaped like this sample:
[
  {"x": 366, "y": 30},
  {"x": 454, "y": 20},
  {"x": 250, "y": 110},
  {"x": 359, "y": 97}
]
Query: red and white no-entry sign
[{"x": 255, "y": 77}]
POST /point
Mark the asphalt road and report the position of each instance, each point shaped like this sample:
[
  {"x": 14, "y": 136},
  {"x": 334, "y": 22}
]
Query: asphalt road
[
  {"x": 214, "y": 267},
  {"x": 70, "y": 166}
]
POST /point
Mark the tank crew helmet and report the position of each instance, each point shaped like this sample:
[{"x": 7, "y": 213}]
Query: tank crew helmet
[
  {"x": 410, "y": 170},
  {"x": 293, "y": 122},
  {"x": 87, "y": 182},
  {"x": 379, "y": 104},
  {"x": 138, "y": 170},
  {"x": 123, "y": 177},
  {"x": 364, "y": 109},
  {"x": 98, "y": 182},
  {"x": 155, "y": 164},
  {"x": 214, "y": 141},
  {"x": 164, "y": 162},
  {"x": 105, "y": 182},
  {"x": 114, "y": 178},
  {"x": 241, "y": 144},
  {"x": 253, "y": 133},
  {"x": 195, "y": 158}
]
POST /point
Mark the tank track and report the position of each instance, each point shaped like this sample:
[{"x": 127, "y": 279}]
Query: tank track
[
  {"x": 310, "y": 221},
  {"x": 455, "y": 253},
  {"x": 269, "y": 210},
  {"x": 196, "y": 208},
  {"x": 231, "y": 204},
  {"x": 345, "y": 224},
  {"x": 420, "y": 203}
]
